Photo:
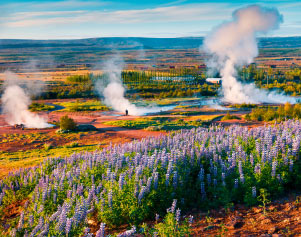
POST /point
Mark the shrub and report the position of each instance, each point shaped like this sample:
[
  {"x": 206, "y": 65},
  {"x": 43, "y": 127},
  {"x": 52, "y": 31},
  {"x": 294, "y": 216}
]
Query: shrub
[
  {"x": 67, "y": 123},
  {"x": 47, "y": 146},
  {"x": 228, "y": 116},
  {"x": 71, "y": 145}
]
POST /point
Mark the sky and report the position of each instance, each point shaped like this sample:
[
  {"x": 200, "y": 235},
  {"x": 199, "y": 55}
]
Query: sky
[{"x": 75, "y": 19}]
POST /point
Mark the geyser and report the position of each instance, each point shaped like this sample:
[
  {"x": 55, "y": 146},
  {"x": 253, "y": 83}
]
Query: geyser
[
  {"x": 15, "y": 103},
  {"x": 233, "y": 44},
  {"x": 113, "y": 91}
]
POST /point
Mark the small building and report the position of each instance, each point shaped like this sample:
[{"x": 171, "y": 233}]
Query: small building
[{"x": 214, "y": 80}]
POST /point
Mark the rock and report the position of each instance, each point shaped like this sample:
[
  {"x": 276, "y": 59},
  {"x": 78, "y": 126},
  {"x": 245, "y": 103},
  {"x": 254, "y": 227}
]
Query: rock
[
  {"x": 238, "y": 224},
  {"x": 86, "y": 127}
]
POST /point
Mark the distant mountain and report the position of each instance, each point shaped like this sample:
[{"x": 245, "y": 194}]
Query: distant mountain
[{"x": 125, "y": 43}]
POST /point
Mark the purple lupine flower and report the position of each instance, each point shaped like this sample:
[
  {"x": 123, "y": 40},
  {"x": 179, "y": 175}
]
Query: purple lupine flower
[
  {"x": 156, "y": 178},
  {"x": 31, "y": 220},
  {"x": 149, "y": 183},
  {"x": 68, "y": 226},
  {"x": 236, "y": 183},
  {"x": 208, "y": 179},
  {"x": 61, "y": 225},
  {"x": 128, "y": 233},
  {"x": 54, "y": 197},
  {"x": 41, "y": 209},
  {"x": 291, "y": 165},
  {"x": 13, "y": 232},
  {"x": 21, "y": 221},
  {"x": 173, "y": 206},
  {"x": 274, "y": 166},
  {"x": 242, "y": 178},
  {"x": 254, "y": 191},
  {"x": 110, "y": 197},
  {"x": 101, "y": 231},
  {"x": 178, "y": 215},
  {"x": 141, "y": 194},
  {"x": 257, "y": 169},
  {"x": 1, "y": 197},
  {"x": 157, "y": 216},
  {"x": 175, "y": 179},
  {"x": 45, "y": 230},
  {"x": 203, "y": 189},
  {"x": 190, "y": 220},
  {"x": 121, "y": 181},
  {"x": 201, "y": 175},
  {"x": 167, "y": 180}
]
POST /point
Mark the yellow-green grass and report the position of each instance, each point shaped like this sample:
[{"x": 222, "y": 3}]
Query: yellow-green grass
[
  {"x": 11, "y": 161},
  {"x": 168, "y": 101},
  {"x": 39, "y": 137},
  {"x": 203, "y": 117},
  {"x": 162, "y": 123},
  {"x": 87, "y": 105}
]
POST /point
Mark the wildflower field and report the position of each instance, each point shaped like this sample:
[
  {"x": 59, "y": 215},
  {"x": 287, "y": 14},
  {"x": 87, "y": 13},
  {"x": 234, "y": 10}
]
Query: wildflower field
[{"x": 145, "y": 180}]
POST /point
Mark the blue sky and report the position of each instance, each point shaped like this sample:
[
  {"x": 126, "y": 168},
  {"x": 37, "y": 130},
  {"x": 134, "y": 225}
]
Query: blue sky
[{"x": 73, "y": 19}]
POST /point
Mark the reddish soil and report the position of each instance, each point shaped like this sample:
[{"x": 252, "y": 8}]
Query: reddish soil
[
  {"x": 283, "y": 218},
  {"x": 103, "y": 136},
  {"x": 241, "y": 122}
]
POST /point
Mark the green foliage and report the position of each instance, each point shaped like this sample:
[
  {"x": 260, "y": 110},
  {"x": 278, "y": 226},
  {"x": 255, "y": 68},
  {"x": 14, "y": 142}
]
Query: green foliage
[
  {"x": 228, "y": 116},
  {"x": 88, "y": 105},
  {"x": 47, "y": 146},
  {"x": 263, "y": 198},
  {"x": 157, "y": 124},
  {"x": 71, "y": 145},
  {"x": 67, "y": 124},
  {"x": 168, "y": 227},
  {"x": 280, "y": 113},
  {"x": 36, "y": 107},
  {"x": 243, "y": 106},
  {"x": 80, "y": 78}
]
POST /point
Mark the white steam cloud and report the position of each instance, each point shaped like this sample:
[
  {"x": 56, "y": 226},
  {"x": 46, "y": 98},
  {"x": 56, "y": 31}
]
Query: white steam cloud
[
  {"x": 113, "y": 91},
  {"x": 15, "y": 102},
  {"x": 233, "y": 44}
]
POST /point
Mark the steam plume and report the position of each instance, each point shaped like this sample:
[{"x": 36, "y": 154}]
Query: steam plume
[
  {"x": 15, "y": 102},
  {"x": 113, "y": 90},
  {"x": 233, "y": 44}
]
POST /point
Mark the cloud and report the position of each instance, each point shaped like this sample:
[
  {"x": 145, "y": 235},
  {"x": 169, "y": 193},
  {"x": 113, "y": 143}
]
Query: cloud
[{"x": 191, "y": 12}]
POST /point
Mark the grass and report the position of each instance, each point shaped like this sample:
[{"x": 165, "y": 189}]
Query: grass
[
  {"x": 169, "y": 101},
  {"x": 36, "y": 107},
  {"x": 162, "y": 123},
  {"x": 39, "y": 137},
  {"x": 187, "y": 113},
  {"x": 10, "y": 161},
  {"x": 88, "y": 105}
]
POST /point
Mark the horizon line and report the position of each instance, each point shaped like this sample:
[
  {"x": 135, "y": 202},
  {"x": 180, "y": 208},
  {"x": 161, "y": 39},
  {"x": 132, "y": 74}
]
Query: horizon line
[{"x": 143, "y": 37}]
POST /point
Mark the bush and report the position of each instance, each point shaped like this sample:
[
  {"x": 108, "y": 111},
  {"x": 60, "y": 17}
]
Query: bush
[
  {"x": 71, "y": 145},
  {"x": 228, "y": 116},
  {"x": 67, "y": 123},
  {"x": 47, "y": 146}
]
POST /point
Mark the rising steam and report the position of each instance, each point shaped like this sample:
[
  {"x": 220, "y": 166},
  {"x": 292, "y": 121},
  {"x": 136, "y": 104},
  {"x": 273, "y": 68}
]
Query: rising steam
[
  {"x": 15, "y": 102},
  {"x": 113, "y": 91},
  {"x": 233, "y": 44}
]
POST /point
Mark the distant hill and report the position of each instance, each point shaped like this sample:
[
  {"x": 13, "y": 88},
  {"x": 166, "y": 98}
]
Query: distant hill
[{"x": 138, "y": 43}]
